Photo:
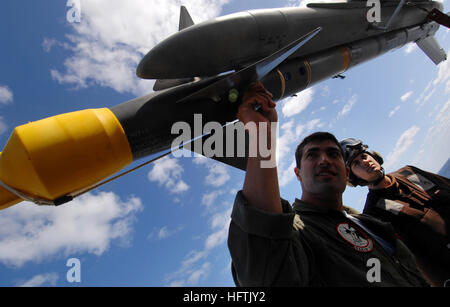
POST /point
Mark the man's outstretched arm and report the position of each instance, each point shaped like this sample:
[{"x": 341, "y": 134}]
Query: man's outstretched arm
[
  {"x": 261, "y": 187},
  {"x": 262, "y": 241}
]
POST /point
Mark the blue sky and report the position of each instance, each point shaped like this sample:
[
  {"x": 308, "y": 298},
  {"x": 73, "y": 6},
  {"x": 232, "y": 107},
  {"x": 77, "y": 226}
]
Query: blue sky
[{"x": 166, "y": 225}]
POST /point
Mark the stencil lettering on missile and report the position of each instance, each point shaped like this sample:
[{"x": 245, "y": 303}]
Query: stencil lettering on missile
[
  {"x": 374, "y": 14},
  {"x": 213, "y": 142},
  {"x": 74, "y": 14}
]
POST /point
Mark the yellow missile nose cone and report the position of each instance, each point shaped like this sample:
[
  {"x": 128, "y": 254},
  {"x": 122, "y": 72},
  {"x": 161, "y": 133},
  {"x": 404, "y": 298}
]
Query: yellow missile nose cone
[{"x": 63, "y": 154}]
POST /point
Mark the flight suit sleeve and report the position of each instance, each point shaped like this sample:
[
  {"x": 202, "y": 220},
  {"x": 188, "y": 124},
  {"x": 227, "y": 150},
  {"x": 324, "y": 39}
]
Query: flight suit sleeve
[{"x": 265, "y": 248}]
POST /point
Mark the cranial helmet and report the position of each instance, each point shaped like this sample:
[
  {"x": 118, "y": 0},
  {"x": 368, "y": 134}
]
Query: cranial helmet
[{"x": 352, "y": 148}]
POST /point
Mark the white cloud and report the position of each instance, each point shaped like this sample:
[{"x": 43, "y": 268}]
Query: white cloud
[
  {"x": 325, "y": 91},
  {"x": 6, "y": 95},
  {"x": 404, "y": 142},
  {"x": 436, "y": 147},
  {"x": 180, "y": 187},
  {"x": 443, "y": 117},
  {"x": 312, "y": 124},
  {"x": 189, "y": 268},
  {"x": 218, "y": 175},
  {"x": 285, "y": 140},
  {"x": 199, "y": 159},
  {"x": 287, "y": 175},
  {"x": 233, "y": 191},
  {"x": 200, "y": 274},
  {"x": 426, "y": 94},
  {"x": 406, "y": 96},
  {"x": 219, "y": 223},
  {"x": 40, "y": 280},
  {"x": 443, "y": 77},
  {"x": 114, "y": 35},
  {"x": 48, "y": 43},
  {"x": 193, "y": 275},
  {"x": 290, "y": 137},
  {"x": 410, "y": 47},
  {"x": 29, "y": 233},
  {"x": 164, "y": 233},
  {"x": 192, "y": 269},
  {"x": 295, "y": 105},
  {"x": 217, "y": 172},
  {"x": 348, "y": 106},
  {"x": 167, "y": 172},
  {"x": 209, "y": 198},
  {"x": 3, "y": 126},
  {"x": 394, "y": 111}
]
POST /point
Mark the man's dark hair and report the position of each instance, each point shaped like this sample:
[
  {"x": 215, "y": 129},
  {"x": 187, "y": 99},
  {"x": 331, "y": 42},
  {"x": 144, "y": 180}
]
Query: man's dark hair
[{"x": 315, "y": 137}]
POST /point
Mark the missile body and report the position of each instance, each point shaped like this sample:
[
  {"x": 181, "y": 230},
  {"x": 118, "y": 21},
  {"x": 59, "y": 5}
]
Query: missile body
[
  {"x": 149, "y": 133},
  {"x": 147, "y": 121},
  {"x": 237, "y": 40},
  {"x": 298, "y": 74},
  {"x": 68, "y": 153}
]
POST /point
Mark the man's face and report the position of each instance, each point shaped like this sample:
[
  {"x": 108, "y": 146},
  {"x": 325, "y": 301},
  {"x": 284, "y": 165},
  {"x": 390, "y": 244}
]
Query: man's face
[
  {"x": 322, "y": 169},
  {"x": 364, "y": 166}
]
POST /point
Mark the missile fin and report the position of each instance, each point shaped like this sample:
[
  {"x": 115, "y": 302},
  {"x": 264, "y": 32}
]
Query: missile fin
[
  {"x": 185, "y": 19},
  {"x": 432, "y": 49},
  {"x": 163, "y": 84}
]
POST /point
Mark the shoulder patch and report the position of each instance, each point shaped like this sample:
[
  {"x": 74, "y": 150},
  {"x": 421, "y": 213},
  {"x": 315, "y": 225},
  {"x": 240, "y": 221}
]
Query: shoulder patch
[
  {"x": 355, "y": 237},
  {"x": 390, "y": 205},
  {"x": 421, "y": 182}
]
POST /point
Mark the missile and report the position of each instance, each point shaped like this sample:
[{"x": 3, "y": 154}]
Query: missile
[
  {"x": 234, "y": 41},
  {"x": 53, "y": 160},
  {"x": 49, "y": 161}
]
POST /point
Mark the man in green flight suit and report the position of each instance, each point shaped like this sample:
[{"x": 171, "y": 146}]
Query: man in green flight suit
[{"x": 318, "y": 241}]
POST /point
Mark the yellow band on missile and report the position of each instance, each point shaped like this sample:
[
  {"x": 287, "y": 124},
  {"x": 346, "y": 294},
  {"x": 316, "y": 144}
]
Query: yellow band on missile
[
  {"x": 345, "y": 58},
  {"x": 283, "y": 83},
  {"x": 63, "y": 154},
  {"x": 308, "y": 68}
]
